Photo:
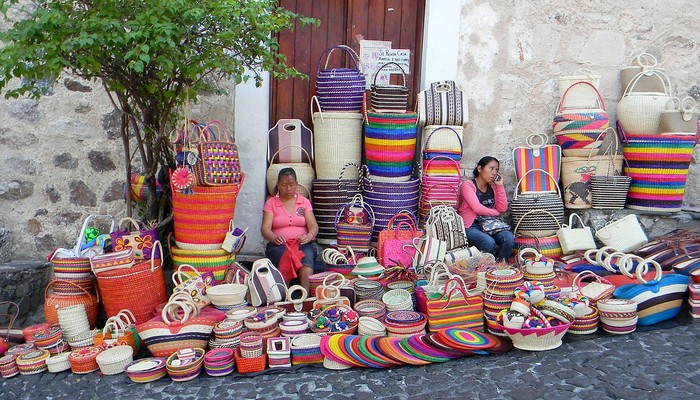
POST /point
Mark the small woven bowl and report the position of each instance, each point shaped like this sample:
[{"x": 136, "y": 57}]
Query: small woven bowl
[
  {"x": 227, "y": 294},
  {"x": 146, "y": 369},
  {"x": 186, "y": 372},
  {"x": 369, "y": 326},
  {"x": 113, "y": 361}
]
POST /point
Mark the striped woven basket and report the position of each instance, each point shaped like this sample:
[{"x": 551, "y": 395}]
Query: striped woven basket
[
  {"x": 202, "y": 217},
  {"x": 390, "y": 145},
  {"x": 658, "y": 167},
  {"x": 389, "y": 198},
  {"x": 215, "y": 261},
  {"x": 353, "y": 234}
]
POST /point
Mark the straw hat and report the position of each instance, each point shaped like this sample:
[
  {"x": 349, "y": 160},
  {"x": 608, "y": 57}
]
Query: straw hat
[{"x": 367, "y": 266}]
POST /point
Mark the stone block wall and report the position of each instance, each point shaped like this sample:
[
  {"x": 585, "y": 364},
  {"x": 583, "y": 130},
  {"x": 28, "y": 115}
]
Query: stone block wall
[{"x": 62, "y": 157}]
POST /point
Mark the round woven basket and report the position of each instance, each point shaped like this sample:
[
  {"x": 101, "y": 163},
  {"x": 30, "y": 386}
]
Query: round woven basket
[
  {"x": 539, "y": 339},
  {"x": 83, "y": 361},
  {"x": 227, "y": 294},
  {"x": 187, "y": 371},
  {"x": 73, "y": 320},
  {"x": 113, "y": 361},
  {"x": 32, "y": 362},
  {"x": 369, "y": 326},
  {"x": 371, "y": 308},
  {"x": 398, "y": 300},
  {"x": 58, "y": 363},
  {"x": 8, "y": 366},
  {"x": 146, "y": 370}
]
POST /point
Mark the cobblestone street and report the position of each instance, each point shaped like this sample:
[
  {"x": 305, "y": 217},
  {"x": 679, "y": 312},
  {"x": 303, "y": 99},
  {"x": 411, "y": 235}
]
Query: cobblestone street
[{"x": 654, "y": 364}]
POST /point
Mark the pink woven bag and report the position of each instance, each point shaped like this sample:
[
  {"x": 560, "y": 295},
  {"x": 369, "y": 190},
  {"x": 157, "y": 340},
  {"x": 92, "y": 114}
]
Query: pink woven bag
[{"x": 392, "y": 240}]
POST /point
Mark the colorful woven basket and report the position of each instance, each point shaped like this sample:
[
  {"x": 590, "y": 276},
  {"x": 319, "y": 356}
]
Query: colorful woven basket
[
  {"x": 340, "y": 89},
  {"x": 146, "y": 369},
  {"x": 183, "y": 370},
  {"x": 202, "y": 217},
  {"x": 658, "y": 166},
  {"x": 78, "y": 267},
  {"x": 390, "y": 145},
  {"x": 84, "y": 361},
  {"x": 32, "y": 362},
  {"x": 215, "y": 261},
  {"x": 306, "y": 349}
]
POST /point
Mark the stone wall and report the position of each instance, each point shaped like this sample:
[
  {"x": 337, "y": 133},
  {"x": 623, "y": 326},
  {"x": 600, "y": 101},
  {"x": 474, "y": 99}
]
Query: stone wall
[{"x": 62, "y": 157}]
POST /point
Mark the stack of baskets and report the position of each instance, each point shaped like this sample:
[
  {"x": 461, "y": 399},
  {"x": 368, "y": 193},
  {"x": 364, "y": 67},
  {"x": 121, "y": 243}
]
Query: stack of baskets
[
  {"x": 328, "y": 195},
  {"x": 499, "y": 295},
  {"x": 73, "y": 320},
  {"x": 8, "y": 365},
  {"x": 618, "y": 316},
  {"x": 226, "y": 334},
  {"x": 185, "y": 364},
  {"x": 405, "y": 323},
  {"x": 398, "y": 300},
  {"x": 306, "y": 349},
  {"x": 219, "y": 362},
  {"x": 146, "y": 370},
  {"x": 250, "y": 355}
]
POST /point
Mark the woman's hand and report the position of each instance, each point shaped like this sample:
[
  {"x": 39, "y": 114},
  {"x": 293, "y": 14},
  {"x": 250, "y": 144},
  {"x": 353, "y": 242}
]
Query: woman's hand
[
  {"x": 304, "y": 239},
  {"x": 498, "y": 180},
  {"x": 279, "y": 240}
]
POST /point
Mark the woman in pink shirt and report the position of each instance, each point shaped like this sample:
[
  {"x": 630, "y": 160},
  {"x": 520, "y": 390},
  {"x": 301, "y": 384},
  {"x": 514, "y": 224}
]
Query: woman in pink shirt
[
  {"x": 288, "y": 221},
  {"x": 484, "y": 195}
]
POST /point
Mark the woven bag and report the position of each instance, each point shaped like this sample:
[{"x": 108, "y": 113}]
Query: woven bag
[
  {"x": 575, "y": 239},
  {"x": 353, "y": 229},
  {"x": 287, "y": 133},
  {"x": 681, "y": 117},
  {"x": 443, "y": 103},
  {"x": 330, "y": 129},
  {"x": 392, "y": 239},
  {"x": 443, "y": 222},
  {"x": 657, "y": 300},
  {"x": 218, "y": 162},
  {"x": 580, "y": 129},
  {"x": 594, "y": 291},
  {"x": 625, "y": 234},
  {"x": 340, "y": 89},
  {"x": 330, "y": 194},
  {"x": 579, "y": 96},
  {"x": 139, "y": 239},
  {"x": 304, "y": 171},
  {"x": 537, "y": 155},
  {"x": 643, "y": 63},
  {"x": 640, "y": 112},
  {"x": 389, "y": 198},
  {"x": 215, "y": 261},
  {"x": 443, "y": 141},
  {"x": 455, "y": 308},
  {"x": 194, "y": 283},
  {"x": 389, "y": 98},
  {"x": 390, "y": 145},
  {"x": 524, "y": 203},
  {"x": 138, "y": 289},
  {"x": 546, "y": 244}
]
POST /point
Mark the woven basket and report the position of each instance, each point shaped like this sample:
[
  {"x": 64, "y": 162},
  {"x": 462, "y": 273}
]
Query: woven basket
[
  {"x": 609, "y": 192},
  {"x": 306, "y": 349},
  {"x": 398, "y": 300},
  {"x": 73, "y": 320},
  {"x": 389, "y": 98},
  {"x": 216, "y": 261},
  {"x": 187, "y": 372},
  {"x": 74, "y": 286},
  {"x": 32, "y": 362},
  {"x": 580, "y": 129},
  {"x": 227, "y": 294},
  {"x": 330, "y": 129},
  {"x": 539, "y": 339},
  {"x": 78, "y": 267},
  {"x": 304, "y": 172},
  {"x": 640, "y": 112},
  {"x": 340, "y": 89},
  {"x": 84, "y": 361},
  {"x": 146, "y": 370},
  {"x": 578, "y": 96},
  {"x": 369, "y": 326},
  {"x": 203, "y": 216},
  {"x": 53, "y": 301},
  {"x": 58, "y": 363},
  {"x": 390, "y": 145},
  {"x": 113, "y": 361},
  {"x": 646, "y": 64},
  {"x": 138, "y": 289},
  {"x": 247, "y": 365}
]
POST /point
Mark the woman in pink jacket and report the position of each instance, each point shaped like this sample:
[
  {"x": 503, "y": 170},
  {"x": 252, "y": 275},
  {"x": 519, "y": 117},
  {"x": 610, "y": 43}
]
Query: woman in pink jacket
[{"x": 484, "y": 196}]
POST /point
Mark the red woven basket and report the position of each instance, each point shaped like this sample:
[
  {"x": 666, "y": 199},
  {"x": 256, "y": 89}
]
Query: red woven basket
[
  {"x": 138, "y": 289},
  {"x": 249, "y": 365},
  {"x": 203, "y": 216}
]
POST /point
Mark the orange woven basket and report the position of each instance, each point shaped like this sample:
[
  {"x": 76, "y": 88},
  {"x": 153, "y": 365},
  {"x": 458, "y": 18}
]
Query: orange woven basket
[
  {"x": 203, "y": 216},
  {"x": 52, "y": 302},
  {"x": 249, "y": 365},
  {"x": 138, "y": 289}
]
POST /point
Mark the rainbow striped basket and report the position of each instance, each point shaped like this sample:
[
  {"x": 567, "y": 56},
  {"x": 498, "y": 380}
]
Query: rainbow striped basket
[
  {"x": 390, "y": 145},
  {"x": 658, "y": 166}
]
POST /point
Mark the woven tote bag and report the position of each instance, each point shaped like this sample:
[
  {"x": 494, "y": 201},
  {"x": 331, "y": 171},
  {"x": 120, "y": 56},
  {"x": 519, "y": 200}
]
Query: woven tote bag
[
  {"x": 625, "y": 234},
  {"x": 353, "y": 224},
  {"x": 340, "y": 89},
  {"x": 575, "y": 239},
  {"x": 443, "y": 141},
  {"x": 456, "y": 308},
  {"x": 202, "y": 216},
  {"x": 640, "y": 112},
  {"x": 390, "y": 145},
  {"x": 218, "y": 162},
  {"x": 330, "y": 194},
  {"x": 389, "y": 98},
  {"x": 544, "y": 240},
  {"x": 400, "y": 231},
  {"x": 524, "y": 203},
  {"x": 283, "y": 139},
  {"x": 579, "y": 96},
  {"x": 679, "y": 117},
  {"x": 658, "y": 167},
  {"x": 337, "y": 141},
  {"x": 139, "y": 288},
  {"x": 657, "y": 300},
  {"x": 643, "y": 63},
  {"x": 443, "y": 103},
  {"x": 580, "y": 129},
  {"x": 537, "y": 155},
  {"x": 214, "y": 261}
]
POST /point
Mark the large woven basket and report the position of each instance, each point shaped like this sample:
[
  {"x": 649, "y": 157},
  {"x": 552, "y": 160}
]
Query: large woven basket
[
  {"x": 138, "y": 289},
  {"x": 390, "y": 145},
  {"x": 202, "y": 217},
  {"x": 388, "y": 98},
  {"x": 537, "y": 339},
  {"x": 53, "y": 301},
  {"x": 340, "y": 88},
  {"x": 331, "y": 129},
  {"x": 216, "y": 261}
]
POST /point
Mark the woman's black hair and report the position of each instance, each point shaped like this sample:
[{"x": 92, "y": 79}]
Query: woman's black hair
[
  {"x": 485, "y": 160},
  {"x": 288, "y": 171}
]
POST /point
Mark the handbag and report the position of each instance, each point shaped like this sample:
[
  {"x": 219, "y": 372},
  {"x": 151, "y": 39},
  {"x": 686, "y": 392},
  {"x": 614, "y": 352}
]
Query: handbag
[
  {"x": 625, "y": 234},
  {"x": 389, "y": 98},
  {"x": 439, "y": 144},
  {"x": 455, "y": 308},
  {"x": 390, "y": 248},
  {"x": 291, "y": 141},
  {"x": 115, "y": 334},
  {"x": 218, "y": 163},
  {"x": 264, "y": 283},
  {"x": 354, "y": 222},
  {"x": 139, "y": 239},
  {"x": 195, "y": 285},
  {"x": 340, "y": 89},
  {"x": 444, "y": 223},
  {"x": 597, "y": 290},
  {"x": 680, "y": 118},
  {"x": 443, "y": 103},
  {"x": 579, "y": 129},
  {"x": 640, "y": 112},
  {"x": 547, "y": 244},
  {"x": 234, "y": 239},
  {"x": 524, "y": 203},
  {"x": 427, "y": 249},
  {"x": 538, "y": 156},
  {"x": 657, "y": 300},
  {"x": 492, "y": 225},
  {"x": 575, "y": 239}
]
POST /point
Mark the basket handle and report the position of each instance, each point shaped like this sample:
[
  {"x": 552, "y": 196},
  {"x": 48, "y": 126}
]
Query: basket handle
[
  {"x": 662, "y": 77},
  {"x": 86, "y": 223},
  {"x": 402, "y": 215},
  {"x": 290, "y": 146},
  {"x": 132, "y": 221},
  {"x": 170, "y": 310},
  {"x": 643, "y": 268},
  {"x": 46, "y": 290},
  {"x": 116, "y": 328},
  {"x": 314, "y": 100},
  {"x": 127, "y": 317},
  {"x": 220, "y": 128},
  {"x": 515, "y": 194},
  {"x": 576, "y": 216},
  {"x": 342, "y": 172},
  {"x": 341, "y": 282},
  {"x": 535, "y": 212},
  {"x": 530, "y": 140},
  {"x": 12, "y": 317},
  {"x": 403, "y": 73},
  {"x": 269, "y": 292},
  {"x": 294, "y": 288},
  {"x": 601, "y": 103},
  {"x": 327, "y": 54},
  {"x": 427, "y": 164},
  {"x": 644, "y": 60},
  {"x": 427, "y": 140}
]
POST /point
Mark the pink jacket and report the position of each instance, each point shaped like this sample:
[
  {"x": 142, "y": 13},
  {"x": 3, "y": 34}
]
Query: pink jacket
[{"x": 470, "y": 206}]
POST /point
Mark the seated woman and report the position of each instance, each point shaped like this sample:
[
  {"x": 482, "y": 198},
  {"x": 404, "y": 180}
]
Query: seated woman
[
  {"x": 290, "y": 228},
  {"x": 485, "y": 196}
]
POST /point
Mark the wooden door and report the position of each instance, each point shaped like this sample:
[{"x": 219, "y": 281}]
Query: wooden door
[{"x": 342, "y": 22}]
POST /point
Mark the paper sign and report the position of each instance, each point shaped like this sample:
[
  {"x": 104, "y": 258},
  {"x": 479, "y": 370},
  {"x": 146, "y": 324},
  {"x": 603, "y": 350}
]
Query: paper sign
[{"x": 369, "y": 58}]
